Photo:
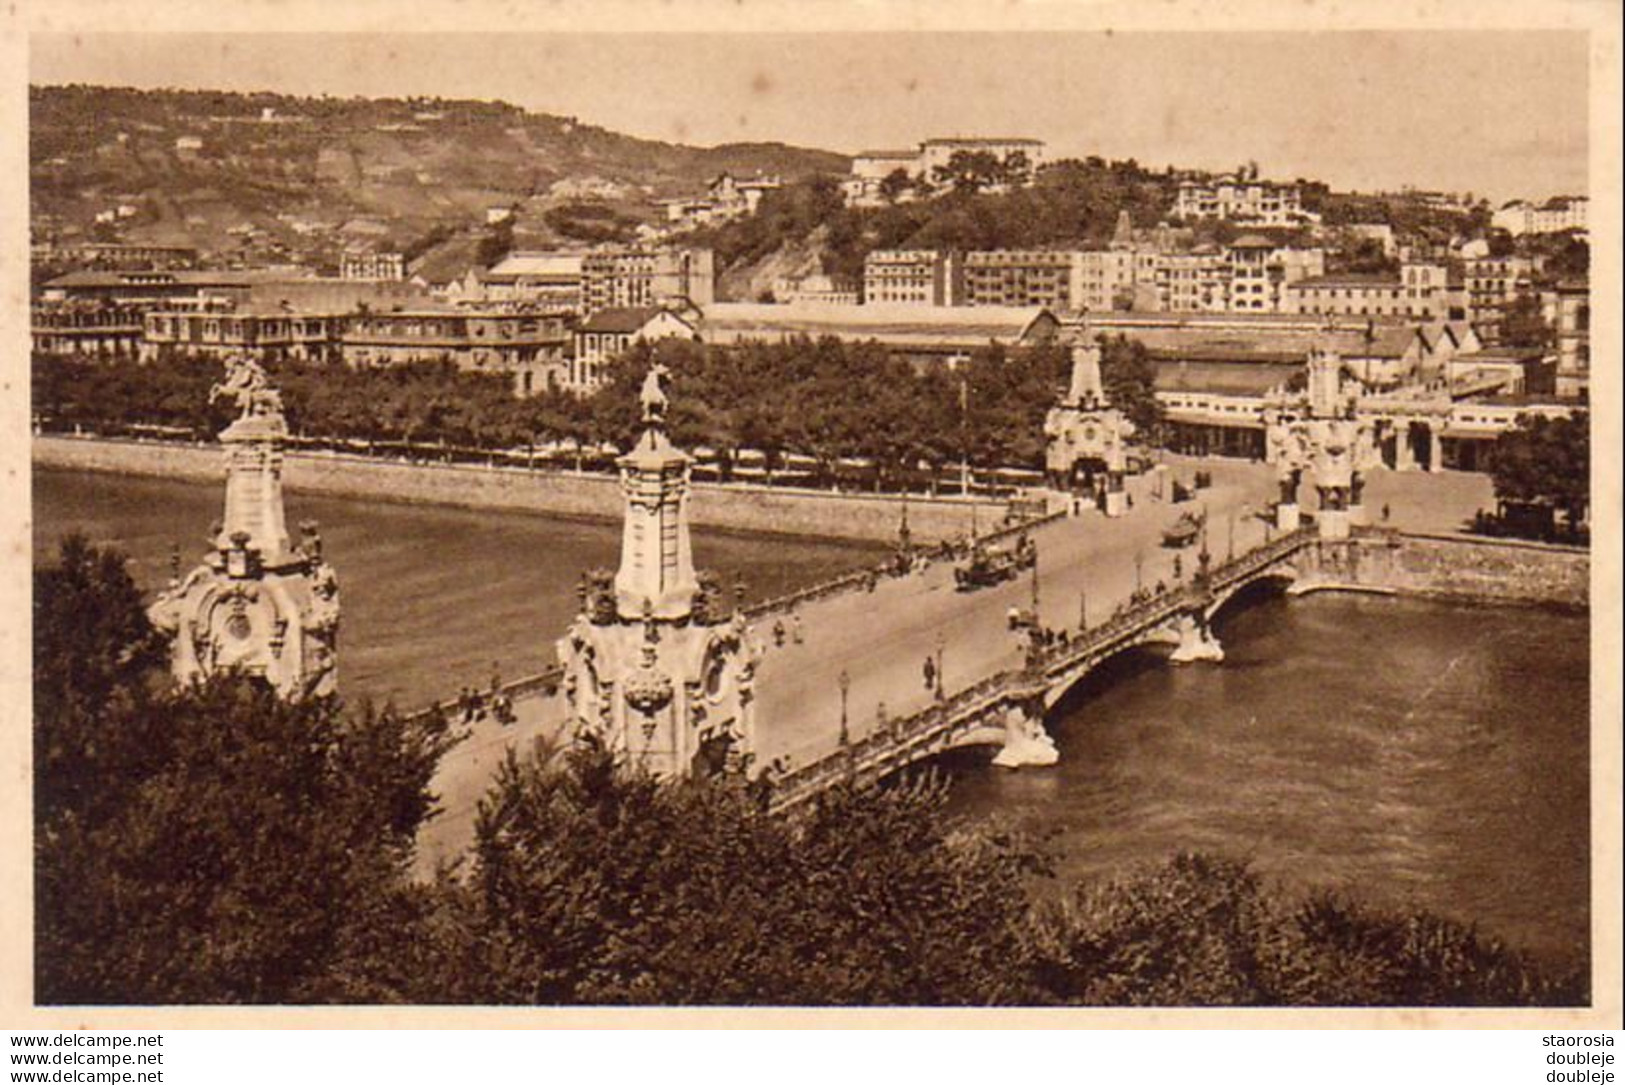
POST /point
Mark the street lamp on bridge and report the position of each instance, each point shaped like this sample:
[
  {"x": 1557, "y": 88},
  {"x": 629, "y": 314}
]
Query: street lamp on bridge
[
  {"x": 941, "y": 685},
  {"x": 845, "y": 681}
]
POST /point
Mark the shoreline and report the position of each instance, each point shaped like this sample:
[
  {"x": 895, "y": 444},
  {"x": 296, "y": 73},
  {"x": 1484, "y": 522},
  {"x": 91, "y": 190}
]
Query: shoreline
[{"x": 821, "y": 515}]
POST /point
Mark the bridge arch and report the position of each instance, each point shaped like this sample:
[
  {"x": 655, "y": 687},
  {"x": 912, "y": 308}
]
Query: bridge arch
[
  {"x": 1278, "y": 578},
  {"x": 1065, "y": 683}
]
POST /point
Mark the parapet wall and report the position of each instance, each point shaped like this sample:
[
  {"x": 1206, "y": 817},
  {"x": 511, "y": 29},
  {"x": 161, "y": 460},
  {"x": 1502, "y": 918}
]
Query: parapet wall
[
  {"x": 865, "y": 517},
  {"x": 1502, "y": 570},
  {"x": 1461, "y": 568}
]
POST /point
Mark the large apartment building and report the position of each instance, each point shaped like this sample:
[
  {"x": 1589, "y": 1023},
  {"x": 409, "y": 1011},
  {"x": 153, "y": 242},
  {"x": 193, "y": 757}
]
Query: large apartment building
[
  {"x": 1251, "y": 275},
  {"x": 1052, "y": 279},
  {"x": 1419, "y": 291},
  {"x": 1554, "y": 216},
  {"x": 527, "y": 348},
  {"x": 910, "y": 277},
  {"x": 1573, "y": 322},
  {"x": 385, "y": 266},
  {"x": 1260, "y": 271},
  {"x": 1261, "y": 203},
  {"x": 640, "y": 278},
  {"x": 1492, "y": 283},
  {"x": 268, "y": 334}
]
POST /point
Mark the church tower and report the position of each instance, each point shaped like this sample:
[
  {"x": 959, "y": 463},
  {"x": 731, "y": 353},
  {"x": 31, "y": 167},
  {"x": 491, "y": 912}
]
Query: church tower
[
  {"x": 655, "y": 665},
  {"x": 257, "y": 604},
  {"x": 1087, "y": 436}
]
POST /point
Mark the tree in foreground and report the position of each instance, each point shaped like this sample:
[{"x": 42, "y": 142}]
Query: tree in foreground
[
  {"x": 215, "y": 844},
  {"x": 207, "y": 844},
  {"x": 594, "y": 885},
  {"x": 1198, "y": 930}
]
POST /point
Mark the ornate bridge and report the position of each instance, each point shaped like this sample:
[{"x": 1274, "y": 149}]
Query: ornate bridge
[{"x": 1007, "y": 708}]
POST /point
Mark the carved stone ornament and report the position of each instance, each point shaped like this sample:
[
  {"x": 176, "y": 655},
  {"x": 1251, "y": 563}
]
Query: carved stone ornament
[{"x": 648, "y": 690}]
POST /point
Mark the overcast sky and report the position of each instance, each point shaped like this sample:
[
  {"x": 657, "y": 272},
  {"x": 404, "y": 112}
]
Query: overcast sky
[{"x": 1497, "y": 113}]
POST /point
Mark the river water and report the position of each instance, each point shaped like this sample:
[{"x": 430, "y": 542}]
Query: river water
[{"x": 1414, "y": 753}]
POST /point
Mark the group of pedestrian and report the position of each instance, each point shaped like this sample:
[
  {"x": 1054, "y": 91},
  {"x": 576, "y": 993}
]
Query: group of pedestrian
[
  {"x": 473, "y": 706},
  {"x": 792, "y": 632}
]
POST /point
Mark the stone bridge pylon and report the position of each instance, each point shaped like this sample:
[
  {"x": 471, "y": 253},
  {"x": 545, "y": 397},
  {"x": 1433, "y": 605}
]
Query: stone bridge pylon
[
  {"x": 656, "y": 665},
  {"x": 259, "y": 603}
]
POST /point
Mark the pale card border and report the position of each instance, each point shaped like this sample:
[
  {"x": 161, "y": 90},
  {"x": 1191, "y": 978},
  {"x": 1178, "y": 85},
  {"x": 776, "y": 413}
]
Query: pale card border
[{"x": 1600, "y": 17}]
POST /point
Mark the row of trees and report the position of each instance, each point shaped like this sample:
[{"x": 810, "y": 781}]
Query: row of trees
[
  {"x": 213, "y": 845},
  {"x": 821, "y": 398}
]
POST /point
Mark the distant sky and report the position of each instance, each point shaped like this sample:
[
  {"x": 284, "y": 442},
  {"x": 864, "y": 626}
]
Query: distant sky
[{"x": 1501, "y": 113}]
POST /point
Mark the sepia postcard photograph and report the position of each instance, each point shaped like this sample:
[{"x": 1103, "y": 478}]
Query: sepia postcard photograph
[{"x": 1081, "y": 510}]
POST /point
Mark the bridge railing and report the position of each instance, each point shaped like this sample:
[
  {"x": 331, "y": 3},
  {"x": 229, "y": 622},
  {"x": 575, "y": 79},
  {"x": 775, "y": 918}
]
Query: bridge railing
[
  {"x": 890, "y": 742},
  {"x": 871, "y": 574},
  {"x": 543, "y": 681}
]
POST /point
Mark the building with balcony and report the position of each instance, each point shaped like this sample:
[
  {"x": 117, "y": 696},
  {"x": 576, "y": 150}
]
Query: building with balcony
[
  {"x": 267, "y": 334},
  {"x": 379, "y": 266},
  {"x": 1012, "y": 278},
  {"x": 87, "y": 329},
  {"x": 1260, "y": 271},
  {"x": 1573, "y": 324},
  {"x": 1233, "y": 199},
  {"x": 1491, "y": 284},
  {"x": 527, "y": 348},
  {"x": 610, "y": 332},
  {"x": 911, "y": 277},
  {"x": 635, "y": 278}
]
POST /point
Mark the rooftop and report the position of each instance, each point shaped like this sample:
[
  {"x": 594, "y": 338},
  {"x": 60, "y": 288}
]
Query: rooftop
[
  {"x": 1229, "y": 378},
  {"x": 619, "y": 321},
  {"x": 980, "y": 141},
  {"x": 84, "y": 279},
  {"x": 1345, "y": 279},
  {"x": 725, "y": 322},
  {"x": 537, "y": 264}
]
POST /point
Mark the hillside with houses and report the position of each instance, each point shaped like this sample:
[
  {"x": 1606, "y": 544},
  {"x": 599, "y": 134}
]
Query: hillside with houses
[{"x": 257, "y": 179}]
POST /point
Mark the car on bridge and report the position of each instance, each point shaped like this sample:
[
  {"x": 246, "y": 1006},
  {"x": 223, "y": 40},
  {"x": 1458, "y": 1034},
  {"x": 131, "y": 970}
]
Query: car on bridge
[
  {"x": 1183, "y": 531},
  {"x": 987, "y": 566}
]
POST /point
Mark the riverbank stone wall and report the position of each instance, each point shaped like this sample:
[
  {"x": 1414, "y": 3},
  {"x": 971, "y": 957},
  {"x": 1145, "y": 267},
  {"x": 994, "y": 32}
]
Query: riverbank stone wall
[{"x": 757, "y": 509}]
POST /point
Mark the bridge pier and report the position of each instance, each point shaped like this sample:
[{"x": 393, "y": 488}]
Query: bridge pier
[
  {"x": 1197, "y": 644},
  {"x": 1026, "y": 743}
]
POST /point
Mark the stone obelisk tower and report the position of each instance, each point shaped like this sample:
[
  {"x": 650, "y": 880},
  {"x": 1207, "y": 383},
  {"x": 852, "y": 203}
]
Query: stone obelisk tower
[{"x": 257, "y": 604}]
